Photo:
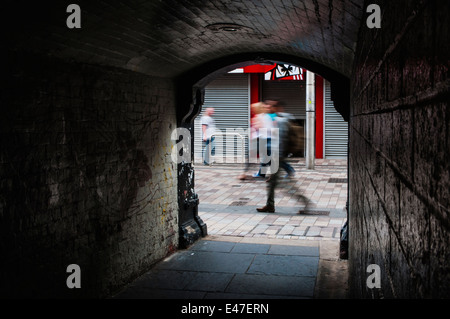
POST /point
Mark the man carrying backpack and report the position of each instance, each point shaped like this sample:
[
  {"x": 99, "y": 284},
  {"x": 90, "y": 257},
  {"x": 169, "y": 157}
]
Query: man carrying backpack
[{"x": 283, "y": 123}]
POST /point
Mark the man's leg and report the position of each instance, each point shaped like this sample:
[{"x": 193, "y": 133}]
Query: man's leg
[
  {"x": 270, "y": 203},
  {"x": 287, "y": 167},
  {"x": 206, "y": 152},
  {"x": 271, "y": 190},
  {"x": 212, "y": 144}
]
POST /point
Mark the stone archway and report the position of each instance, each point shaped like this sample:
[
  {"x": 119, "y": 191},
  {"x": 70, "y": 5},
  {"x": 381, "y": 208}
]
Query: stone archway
[{"x": 190, "y": 98}]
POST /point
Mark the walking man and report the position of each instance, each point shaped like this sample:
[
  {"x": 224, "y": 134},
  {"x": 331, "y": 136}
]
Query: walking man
[
  {"x": 208, "y": 129},
  {"x": 282, "y": 123}
]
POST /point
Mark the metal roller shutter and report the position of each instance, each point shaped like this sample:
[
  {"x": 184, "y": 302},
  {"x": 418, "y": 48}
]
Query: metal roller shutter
[
  {"x": 230, "y": 97},
  {"x": 292, "y": 93},
  {"x": 336, "y": 129}
]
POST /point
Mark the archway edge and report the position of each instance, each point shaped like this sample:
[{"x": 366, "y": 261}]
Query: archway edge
[{"x": 192, "y": 82}]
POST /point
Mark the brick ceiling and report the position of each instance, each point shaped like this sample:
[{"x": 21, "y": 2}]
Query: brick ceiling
[{"x": 168, "y": 37}]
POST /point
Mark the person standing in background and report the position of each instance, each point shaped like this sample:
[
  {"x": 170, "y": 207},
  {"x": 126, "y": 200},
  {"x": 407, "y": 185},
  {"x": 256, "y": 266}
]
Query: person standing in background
[{"x": 208, "y": 129}]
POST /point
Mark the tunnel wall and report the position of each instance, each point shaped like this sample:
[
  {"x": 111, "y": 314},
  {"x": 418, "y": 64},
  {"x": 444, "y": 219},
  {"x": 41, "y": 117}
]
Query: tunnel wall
[
  {"x": 399, "y": 139},
  {"x": 87, "y": 176}
]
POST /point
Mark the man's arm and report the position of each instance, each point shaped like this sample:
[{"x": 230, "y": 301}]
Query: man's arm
[{"x": 204, "y": 127}]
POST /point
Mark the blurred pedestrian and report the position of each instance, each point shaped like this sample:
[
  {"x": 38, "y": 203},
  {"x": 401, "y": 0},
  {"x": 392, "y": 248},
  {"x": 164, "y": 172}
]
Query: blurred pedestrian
[
  {"x": 208, "y": 130},
  {"x": 257, "y": 109},
  {"x": 264, "y": 138},
  {"x": 277, "y": 111},
  {"x": 282, "y": 123}
]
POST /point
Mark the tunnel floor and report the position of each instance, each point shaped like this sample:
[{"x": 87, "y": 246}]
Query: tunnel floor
[
  {"x": 251, "y": 255},
  {"x": 228, "y": 270}
]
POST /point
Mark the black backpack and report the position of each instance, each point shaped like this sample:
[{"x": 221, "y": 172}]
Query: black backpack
[{"x": 295, "y": 139}]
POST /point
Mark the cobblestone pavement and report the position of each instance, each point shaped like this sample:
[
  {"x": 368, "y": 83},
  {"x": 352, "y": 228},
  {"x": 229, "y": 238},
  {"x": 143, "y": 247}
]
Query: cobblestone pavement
[{"x": 228, "y": 205}]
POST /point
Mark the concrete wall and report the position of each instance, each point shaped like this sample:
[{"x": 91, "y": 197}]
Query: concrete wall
[
  {"x": 399, "y": 140},
  {"x": 87, "y": 176}
]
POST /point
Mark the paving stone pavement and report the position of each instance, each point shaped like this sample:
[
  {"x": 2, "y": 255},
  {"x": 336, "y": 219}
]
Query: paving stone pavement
[
  {"x": 228, "y": 270},
  {"x": 251, "y": 255},
  {"x": 228, "y": 205}
]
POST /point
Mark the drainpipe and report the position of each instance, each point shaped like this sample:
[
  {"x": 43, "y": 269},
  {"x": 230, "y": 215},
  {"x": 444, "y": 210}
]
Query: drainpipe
[{"x": 310, "y": 119}]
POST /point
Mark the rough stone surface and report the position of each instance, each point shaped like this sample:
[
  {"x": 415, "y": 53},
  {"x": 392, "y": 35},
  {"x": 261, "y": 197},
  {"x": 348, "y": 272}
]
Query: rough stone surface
[
  {"x": 166, "y": 38},
  {"x": 87, "y": 176},
  {"x": 399, "y": 142},
  {"x": 86, "y": 116}
]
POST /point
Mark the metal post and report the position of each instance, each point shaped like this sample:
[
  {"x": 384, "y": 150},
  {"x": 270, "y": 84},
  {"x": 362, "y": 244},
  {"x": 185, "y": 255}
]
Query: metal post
[{"x": 310, "y": 119}]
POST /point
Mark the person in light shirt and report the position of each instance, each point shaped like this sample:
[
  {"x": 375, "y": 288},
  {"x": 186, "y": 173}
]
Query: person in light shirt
[
  {"x": 259, "y": 119},
  {"x": 208, "y": 129},
  {"x": 264, "y": 125}
]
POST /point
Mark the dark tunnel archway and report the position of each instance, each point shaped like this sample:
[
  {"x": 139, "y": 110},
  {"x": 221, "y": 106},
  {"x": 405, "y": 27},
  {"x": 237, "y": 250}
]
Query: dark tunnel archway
[
  {"x": 87, "y": 113},
  {"x": 196, "y": 79}
]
